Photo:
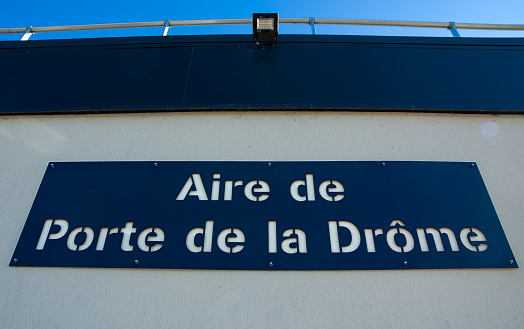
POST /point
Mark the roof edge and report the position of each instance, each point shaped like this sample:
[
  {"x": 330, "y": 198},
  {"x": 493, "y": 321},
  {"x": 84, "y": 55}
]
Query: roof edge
[{"x": 243, "y": 38}]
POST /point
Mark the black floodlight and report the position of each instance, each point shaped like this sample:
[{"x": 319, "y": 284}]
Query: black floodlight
[{"x": 265, "y": 29}]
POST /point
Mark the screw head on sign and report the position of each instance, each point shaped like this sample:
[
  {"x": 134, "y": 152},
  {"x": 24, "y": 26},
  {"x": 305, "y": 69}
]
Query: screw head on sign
[
  {"x": 15, "y": 260},
  {"x": 510, "y": 262},
  {"x": 155, "y": 164},
  {"x": 405, "y": 263},
  {"x": 270, "y": 264},
  {"x": 383, "y": 164},
  {"x": 136, "y": 261}
]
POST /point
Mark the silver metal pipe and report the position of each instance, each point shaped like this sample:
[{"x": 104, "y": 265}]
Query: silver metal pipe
[
  {"x": 294, "y": 20},
  {"x": 203, "y": 22},
  {"x": 88, "y": 27},
  {"x": 506, "y": 27},
  {"x": 369, "y": 22},
  {"x": 330, "y": 21},
  {"x": 12, "y": 30}
]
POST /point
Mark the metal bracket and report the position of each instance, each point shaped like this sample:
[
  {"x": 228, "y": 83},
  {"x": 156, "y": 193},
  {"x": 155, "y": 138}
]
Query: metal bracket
[
  {"x": 453, "y": 30},
  {"x": 28, "y": 33},
  {"x": 166, "y": 28},
  {"x": 312, "y": 24}
]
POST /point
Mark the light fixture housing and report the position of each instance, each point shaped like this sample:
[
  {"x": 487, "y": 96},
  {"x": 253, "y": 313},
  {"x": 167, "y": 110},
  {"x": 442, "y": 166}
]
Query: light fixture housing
[{"x": 265, "y": 29}]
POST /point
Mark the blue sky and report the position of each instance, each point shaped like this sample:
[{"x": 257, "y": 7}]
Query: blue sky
[{"x": 67, "y": 12}]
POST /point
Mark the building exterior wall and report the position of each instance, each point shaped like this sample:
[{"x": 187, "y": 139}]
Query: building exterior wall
[{"x": 137, "y": 298}]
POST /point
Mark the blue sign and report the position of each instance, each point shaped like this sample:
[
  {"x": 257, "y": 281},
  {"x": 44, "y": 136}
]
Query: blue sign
[{"x": 327, "y": 215}]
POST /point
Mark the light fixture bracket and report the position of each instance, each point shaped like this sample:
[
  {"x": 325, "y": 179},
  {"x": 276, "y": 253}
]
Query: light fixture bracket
[{"x": 265, "y": 29}]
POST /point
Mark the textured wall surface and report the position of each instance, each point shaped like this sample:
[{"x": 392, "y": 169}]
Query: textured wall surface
[{"x": 137, "y": 298}]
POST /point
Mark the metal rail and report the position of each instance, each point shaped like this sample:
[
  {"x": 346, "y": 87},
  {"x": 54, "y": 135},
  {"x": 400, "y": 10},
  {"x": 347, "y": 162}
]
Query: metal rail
[{"x": 452, "y": 26}]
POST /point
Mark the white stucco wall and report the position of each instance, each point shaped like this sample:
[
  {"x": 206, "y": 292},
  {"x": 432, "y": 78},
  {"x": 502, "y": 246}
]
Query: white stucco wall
[{"x": 138, "y": 298}]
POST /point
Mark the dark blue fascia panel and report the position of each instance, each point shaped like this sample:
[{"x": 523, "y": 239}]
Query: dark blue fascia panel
[{"x": 228, "y": 73}]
